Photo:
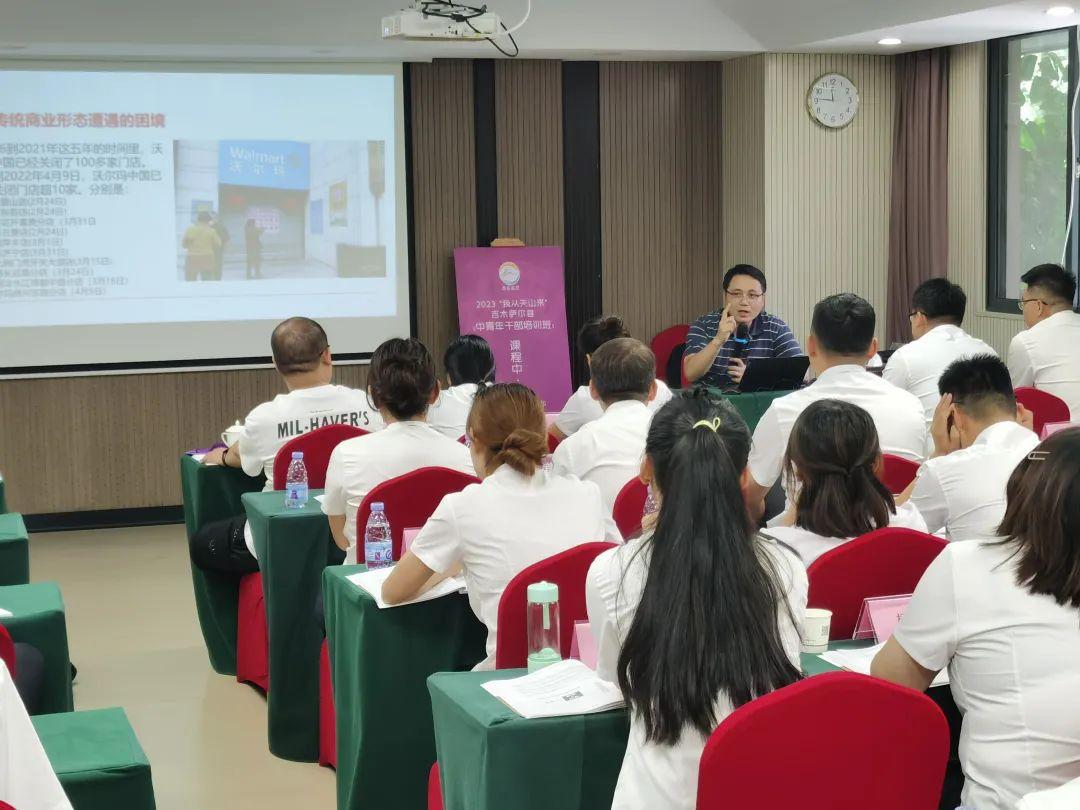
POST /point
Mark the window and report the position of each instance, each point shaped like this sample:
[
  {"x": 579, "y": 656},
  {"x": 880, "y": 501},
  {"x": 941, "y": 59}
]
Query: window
[{"x": 1032, "y": 80}]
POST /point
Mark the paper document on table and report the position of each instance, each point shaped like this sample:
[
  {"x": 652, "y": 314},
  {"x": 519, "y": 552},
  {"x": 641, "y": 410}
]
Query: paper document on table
[
  {"x": 198, "y": 456},
  {"x": 566, "y": 688},
  {"x": 319, "y": 498},
  {"x": 859, "y": 660},
  {"x": 5, "y": 614},
  {"x": 372, "y": 582}
]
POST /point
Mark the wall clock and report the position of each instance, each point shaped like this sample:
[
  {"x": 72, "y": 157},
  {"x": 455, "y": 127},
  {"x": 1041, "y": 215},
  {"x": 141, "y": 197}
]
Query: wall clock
[{"x": 833, "y": 100}]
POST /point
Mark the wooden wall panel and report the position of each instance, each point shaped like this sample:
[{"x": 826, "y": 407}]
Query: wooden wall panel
[
  {"x": 967, "y": 194},
  {"x": 743, "y": 150},
  {"x": 827, "y": 191},
  {"x": 660, "y": 191},
  {"x": 84, "y": 443},
  {"x": 529, "y": 150},
  {"x": 444, "y": 191}
]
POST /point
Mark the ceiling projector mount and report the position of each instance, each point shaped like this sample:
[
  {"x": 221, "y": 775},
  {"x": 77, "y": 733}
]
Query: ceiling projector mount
[{"x": 440, "y": 19}]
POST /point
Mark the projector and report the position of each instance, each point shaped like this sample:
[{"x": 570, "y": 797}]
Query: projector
[{"x": 411, "y": 23}]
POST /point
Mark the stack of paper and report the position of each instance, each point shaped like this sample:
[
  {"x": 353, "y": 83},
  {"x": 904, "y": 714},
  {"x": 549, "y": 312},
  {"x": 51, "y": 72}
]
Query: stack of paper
[
  {"x": 372, "y": 582},
  {"x": 5, "y": 614},
  {"x": 859, "y": 660},
  {"x": 566, "y": 688}
]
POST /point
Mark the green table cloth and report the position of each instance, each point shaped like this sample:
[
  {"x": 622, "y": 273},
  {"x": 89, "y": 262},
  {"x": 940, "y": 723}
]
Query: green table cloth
[
  {"x": 380, "y": 661},
  {"x": 492, "y": 759},
  {"x": 213, "y": 493},
  {"x": 751, "y": 406},
  {"x": 14, "y": 550},
  {"x": 39, "y": 620},
  {"x": 3, "y": 499},
  {"x": 98, "y": 759},
  {"x": 293, "y": 547}
]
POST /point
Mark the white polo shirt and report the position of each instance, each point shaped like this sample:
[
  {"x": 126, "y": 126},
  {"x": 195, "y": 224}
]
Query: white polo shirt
[
  {"x": 1046, "y": 357},
  {"x": 500, "y": 527},
  {"x": 810, "y": 546},
  {"x": 1014, "y": 668},
  {"x": 359, "y": 465},
  {"x": 917, "y": 366},
  {"x": 608, "y": 451},
  {"x": 897, "y": 414},
  {"x": 27, "y": 779},
  {"x": 450, "y": 413},
  {"x": 665, "y": 776},
  {"x": 581, "y": 408},
  {"x": 964, "y": 492},
  {"x": 289, "y": 415}
]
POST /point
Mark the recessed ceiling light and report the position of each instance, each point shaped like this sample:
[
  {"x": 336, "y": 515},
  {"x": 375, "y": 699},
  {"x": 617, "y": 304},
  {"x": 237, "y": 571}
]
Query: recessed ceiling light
[
  {"x": 889, "y": 41},
  {"x": 1060, "y": 11}
]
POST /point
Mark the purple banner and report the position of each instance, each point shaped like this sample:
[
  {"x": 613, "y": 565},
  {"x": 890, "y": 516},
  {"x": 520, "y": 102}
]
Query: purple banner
[{"x": 514, "y": 298}]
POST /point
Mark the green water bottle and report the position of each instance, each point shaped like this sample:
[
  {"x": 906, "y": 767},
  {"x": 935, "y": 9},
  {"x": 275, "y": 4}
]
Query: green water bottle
[{"x": 542, "y": 625}]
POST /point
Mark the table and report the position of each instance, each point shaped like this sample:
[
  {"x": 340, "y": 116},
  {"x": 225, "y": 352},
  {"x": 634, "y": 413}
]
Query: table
[
  {"x": 3, "y": 500},
  {"x": 751, "y": 406},
  {"x": 380, "y": 662},
  {"x": 492, "y": 759},
  {"x": 293, "y": 547},
  {"x": 39, "y": 620},
  {"x": 14, "y": 550},
  {"x": 98, "y": 759},
  {"x": 213, "y": 493}
]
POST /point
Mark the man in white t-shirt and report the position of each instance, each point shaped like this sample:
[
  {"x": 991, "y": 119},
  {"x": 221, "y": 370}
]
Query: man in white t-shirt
[
  {"x": 609, "y": 451},
  {"x": 978, "y": 441},
  {"x": 841, "y": 341},
  {"x": 1045, "y": 354},
  {"x": 937, "y": 311},
  {"x": 582, "y": 407},
  {"x": 302, "y": 357}
]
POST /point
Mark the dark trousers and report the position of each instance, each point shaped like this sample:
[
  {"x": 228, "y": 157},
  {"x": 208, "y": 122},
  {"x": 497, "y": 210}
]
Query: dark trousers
[
  {"x": 219, "y": 546},
  {"x": 29, "y": 674}
]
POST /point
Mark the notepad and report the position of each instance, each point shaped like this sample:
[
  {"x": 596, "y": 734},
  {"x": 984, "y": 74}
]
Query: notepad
[
  {"x": 859, "y": 660},
  {"x": 372, "y": 582},
  {"x": 566, "y": 688}
]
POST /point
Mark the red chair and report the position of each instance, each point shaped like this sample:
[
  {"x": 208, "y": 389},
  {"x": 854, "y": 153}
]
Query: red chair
[
  {"x": 629, "y": 507},
  {"x": 553, "y": 442},
  {"x": 409, "y": 501},
  {"x": 567, "y": 569},
  {"x": 7, "y": 650},
  {"x": 897, "y": 473},
  {"x": 252, "y": 638},
  {"x": 6, "y": 806},
  {"x": 887, "y": 746},
  {"x": 434, "y": 789},
  {"x": 327, "y": 727},
  {"x": 882, "y": 563},
  {"x": 664, "y": 344},
  {"x": 1044, "y": 406},
  {"x": 316, "y": 447}
]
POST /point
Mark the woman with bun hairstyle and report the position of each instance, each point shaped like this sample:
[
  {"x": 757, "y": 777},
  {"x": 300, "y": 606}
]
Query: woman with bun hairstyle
[
  {"x": 581, "y": 408},
  {"x": 518, "y": 515},
  {"x": 402, "y": 385},
  {"x": 832, "y": 462}
]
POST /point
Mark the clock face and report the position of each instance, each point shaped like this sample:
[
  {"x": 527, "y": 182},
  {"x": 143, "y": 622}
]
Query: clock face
[{"x": 833, "y": 100}]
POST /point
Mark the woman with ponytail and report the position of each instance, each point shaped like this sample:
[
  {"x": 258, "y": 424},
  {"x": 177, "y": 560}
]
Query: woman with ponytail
[
  {"x": 832, "y": 463},
  {"x": 402, "y": 385},
  {"x": 470, "y": 365},
  {"x": 518, "y": 515},
  {"x": 702, "y": 614}
]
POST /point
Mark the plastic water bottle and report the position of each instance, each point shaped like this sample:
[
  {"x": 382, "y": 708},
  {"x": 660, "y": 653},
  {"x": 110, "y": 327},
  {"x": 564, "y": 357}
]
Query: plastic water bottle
[
  {"x": 296, "y": 483},
  {"x": 378, "y": 547},
  {"x": 652, "y": 505}
]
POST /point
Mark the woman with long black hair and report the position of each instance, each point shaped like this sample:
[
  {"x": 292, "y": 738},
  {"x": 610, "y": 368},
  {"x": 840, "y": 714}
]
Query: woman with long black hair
[{"x": 699, "y": 616}]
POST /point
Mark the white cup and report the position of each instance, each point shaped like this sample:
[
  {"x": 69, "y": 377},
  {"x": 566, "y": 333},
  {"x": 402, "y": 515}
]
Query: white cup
[
  {"x": 232, "y": 433},
  {"x": 815, "y": 634}
]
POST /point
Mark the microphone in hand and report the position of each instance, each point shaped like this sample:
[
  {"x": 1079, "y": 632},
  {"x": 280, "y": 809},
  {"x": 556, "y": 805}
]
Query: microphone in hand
[{"x": 742, "y": 340}]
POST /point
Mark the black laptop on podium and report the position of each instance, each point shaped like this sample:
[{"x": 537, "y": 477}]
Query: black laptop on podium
[{"x": 774, "y": 374}]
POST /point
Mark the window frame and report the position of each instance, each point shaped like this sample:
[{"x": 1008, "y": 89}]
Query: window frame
[{"x": 998, "y": 298}]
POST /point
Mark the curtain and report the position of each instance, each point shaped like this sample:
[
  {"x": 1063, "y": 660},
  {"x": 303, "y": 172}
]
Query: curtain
[{"x": 918, "y": 221}]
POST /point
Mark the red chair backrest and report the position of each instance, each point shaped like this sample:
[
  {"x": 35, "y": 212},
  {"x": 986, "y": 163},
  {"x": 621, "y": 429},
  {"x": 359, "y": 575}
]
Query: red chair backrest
[
  {"x": 7, "y": 650},
  {"x": 553, "y": 442},
  {"x": 409, "y": 500},
  {"x": 664, "y": 344},
  {"x": 885, "y": 744},
  {"x": 897, "y": 473},
  {"x": 887, "y": 562},
  {"x": 1044, "y": 406},
  {"x": 567, "y": 569},
  {"x": 629, "y": 507},
  {"x": 316, "y": 447},
  {"x": 6, "y": 806}
]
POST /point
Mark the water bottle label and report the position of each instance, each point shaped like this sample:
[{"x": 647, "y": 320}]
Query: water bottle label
[{"x": 296, "y": 494}]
